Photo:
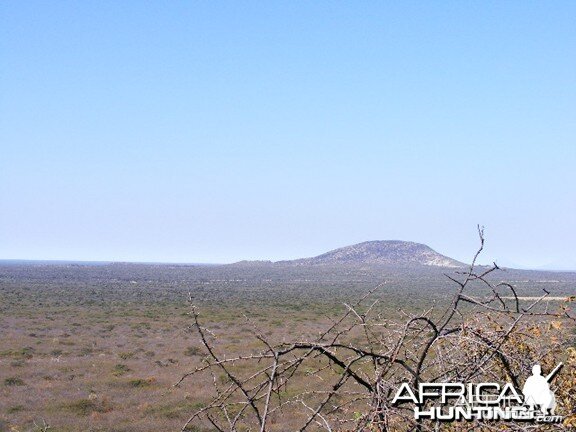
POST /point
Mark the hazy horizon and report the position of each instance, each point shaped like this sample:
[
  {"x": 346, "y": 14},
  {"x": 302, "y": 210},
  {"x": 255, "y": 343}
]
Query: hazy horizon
[
  {"x": 217, "y": 132},
  {"x": 483, "y": 260}
]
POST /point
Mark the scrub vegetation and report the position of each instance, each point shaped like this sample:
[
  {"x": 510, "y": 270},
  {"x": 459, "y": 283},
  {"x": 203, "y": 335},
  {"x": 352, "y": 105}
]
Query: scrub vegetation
[{"x": 100, "y": 347}]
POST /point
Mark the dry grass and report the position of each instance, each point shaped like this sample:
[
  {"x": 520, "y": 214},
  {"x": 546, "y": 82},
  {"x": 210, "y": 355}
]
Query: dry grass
[
  {"x": 102, "y": 369},
  {"x": 88, "y": 350}
]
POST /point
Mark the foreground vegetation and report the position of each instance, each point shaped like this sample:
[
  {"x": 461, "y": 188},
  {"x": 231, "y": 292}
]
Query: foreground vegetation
[{"x": 100, "y": 347}]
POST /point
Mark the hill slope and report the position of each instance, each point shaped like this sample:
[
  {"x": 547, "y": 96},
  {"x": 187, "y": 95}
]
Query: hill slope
[{"x": 389, "y": 252}]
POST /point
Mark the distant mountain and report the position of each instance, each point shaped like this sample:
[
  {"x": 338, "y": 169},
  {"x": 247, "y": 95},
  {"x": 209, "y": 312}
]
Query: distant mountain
[{"x": 389, "y": 252}]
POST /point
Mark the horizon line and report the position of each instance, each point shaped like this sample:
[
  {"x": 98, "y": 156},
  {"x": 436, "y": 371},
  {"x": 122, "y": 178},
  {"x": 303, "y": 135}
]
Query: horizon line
[{"x": 183, "y": 263}]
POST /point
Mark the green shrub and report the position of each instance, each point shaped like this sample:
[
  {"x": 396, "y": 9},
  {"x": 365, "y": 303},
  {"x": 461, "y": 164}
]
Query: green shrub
[
  {"x": 126, "y": 355},
  {"x": 192, "y": 351},
  {"x": 84, "y": 407},
  {"x": 15, "y": 409},
  {"x": 13, "y": 382},
  {"x": 120, "y": 369},
  {"x": 139, "y": 382}
]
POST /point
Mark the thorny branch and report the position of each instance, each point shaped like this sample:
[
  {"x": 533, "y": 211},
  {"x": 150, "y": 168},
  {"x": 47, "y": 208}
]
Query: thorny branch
[{"x": 473, "y": 337}]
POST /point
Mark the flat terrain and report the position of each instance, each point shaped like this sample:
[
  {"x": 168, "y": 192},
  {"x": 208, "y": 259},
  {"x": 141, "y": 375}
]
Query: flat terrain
[{"x": 98, "y": 347}]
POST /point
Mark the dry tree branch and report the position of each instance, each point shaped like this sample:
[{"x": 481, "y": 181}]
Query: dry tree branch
[{"x": 471, "y": 338}]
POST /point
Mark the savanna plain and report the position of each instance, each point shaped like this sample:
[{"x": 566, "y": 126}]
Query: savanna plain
[{"x": 99, "y": 347}]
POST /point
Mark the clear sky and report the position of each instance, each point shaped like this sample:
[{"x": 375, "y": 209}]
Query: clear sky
[{"x": 208, "y": 131}]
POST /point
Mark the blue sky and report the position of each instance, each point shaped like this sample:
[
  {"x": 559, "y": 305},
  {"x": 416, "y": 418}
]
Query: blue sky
[{"x": 217, "y": 131}]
